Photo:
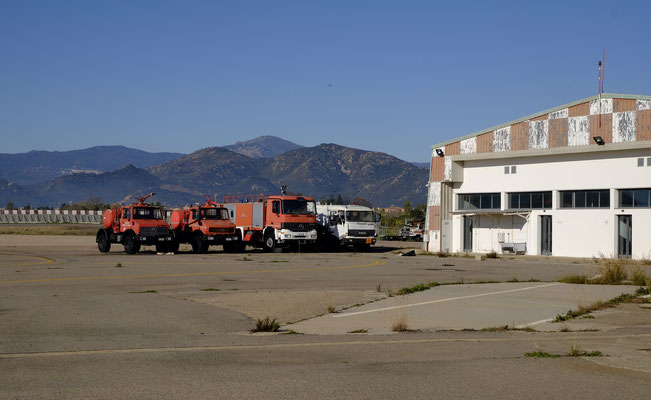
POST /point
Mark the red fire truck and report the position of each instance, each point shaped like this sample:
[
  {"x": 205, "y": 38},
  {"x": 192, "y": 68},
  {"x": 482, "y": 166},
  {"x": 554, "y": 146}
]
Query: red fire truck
[{"x": 271, "y": 221}]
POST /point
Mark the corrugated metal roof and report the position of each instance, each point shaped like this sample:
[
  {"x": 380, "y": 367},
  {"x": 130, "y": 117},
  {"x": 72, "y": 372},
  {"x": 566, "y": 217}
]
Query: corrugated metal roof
[{"x": 551, "y": 110}]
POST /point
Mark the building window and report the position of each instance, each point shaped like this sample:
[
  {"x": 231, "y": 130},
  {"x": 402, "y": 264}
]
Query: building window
[
  {"x": 585, "y": 199},
  {"x": 635, "y": 198},
  {"x": 506, "y": 170},
  {"x": 530, "y": 200},
  {"x": 480, "y": 201},
  {"x": 640, "y": 162},
  {"x": 514, "y": 169}
]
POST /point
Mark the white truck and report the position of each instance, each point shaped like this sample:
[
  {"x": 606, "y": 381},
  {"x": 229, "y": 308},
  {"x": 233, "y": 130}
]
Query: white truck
[{"x": 347, "y": 225}]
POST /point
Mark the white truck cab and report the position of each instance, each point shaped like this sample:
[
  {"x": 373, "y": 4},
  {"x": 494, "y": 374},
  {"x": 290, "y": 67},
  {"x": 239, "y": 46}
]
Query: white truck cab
[{"x": 345, "y": 225}]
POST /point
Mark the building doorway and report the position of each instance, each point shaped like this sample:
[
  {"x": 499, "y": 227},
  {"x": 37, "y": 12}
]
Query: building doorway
[
  {"x": 624, "y": 236},
  {"x": 467, "y": 234},
  {"x": 546, "y": 235}
]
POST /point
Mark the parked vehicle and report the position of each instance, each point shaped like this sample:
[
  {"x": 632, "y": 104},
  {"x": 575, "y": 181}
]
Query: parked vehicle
[
  {"x": 271, "y": 221},
  {"x": 133, "y": 226},
  {"x": 412, "y": 230},
  {"x": 347, "y": 225},
  {"x": 203, "y": 226}
]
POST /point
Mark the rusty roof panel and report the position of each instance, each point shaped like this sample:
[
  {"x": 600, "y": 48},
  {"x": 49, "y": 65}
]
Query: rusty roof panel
[
  {"x": 558, "y": 132},
  {"x": 643, "y": 125},
  {"x": 621, "y": 105},
  {"x": 520, "y": 136},
  {"x": 485, "y": 143}
]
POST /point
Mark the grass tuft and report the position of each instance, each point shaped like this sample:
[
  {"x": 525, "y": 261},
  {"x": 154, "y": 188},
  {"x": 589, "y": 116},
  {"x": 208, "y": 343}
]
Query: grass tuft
[
  {"x": 418, "y": 288},
  {"x": 576, "y": 279},
  {"x": 147, "y": 291},
  {"x": 212, "y": 289},
  {"x": 541, "y": 354},
  {"x": 266, "y": 325},
  {"x": 576, "y": 351},
  {"x": 612, "y": 271},
  {"x": 491, "y": 254},
  {"x": 400, "y": 325},
  {"x": 637, "y": 275},
  {"x": 118, "y": 265},
  {"x": 359, "y": 331}
]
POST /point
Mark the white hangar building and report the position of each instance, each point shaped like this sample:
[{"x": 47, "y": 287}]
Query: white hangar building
[{"x": 571, "y": 181}]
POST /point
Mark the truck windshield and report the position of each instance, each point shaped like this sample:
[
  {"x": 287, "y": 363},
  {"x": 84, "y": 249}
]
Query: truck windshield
[
  {"x": 299, "y": 206},
  {"x": 214, "y": 213},
  {"x": 147, "y": 213},
  {"x": 359, "y": 216}
]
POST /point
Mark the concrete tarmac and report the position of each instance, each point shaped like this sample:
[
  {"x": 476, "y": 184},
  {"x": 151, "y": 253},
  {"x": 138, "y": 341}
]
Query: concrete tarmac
[{"x": 77, "y": 324}]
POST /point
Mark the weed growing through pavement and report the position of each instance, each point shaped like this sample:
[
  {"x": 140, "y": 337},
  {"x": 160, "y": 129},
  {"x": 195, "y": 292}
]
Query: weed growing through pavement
[
  {"x": 576, "y": 351},
  {"x": 418, "y": 288},
  {"x": 601, "y": 305},
  {"x": 492, "y": 254},
  {"x": 266, "y": 324},
  {"x": 147, "y": 291},
  {"x": 118, "y": 265},
  {"x": 359, "y": 331},
  {"x": 575, "y": 279},
  {"x": 637, "y": 275},
  {"x": 400, "y": 325},
  {"x": 541, "y": 354},
  {"x": 212, "y": 289}
]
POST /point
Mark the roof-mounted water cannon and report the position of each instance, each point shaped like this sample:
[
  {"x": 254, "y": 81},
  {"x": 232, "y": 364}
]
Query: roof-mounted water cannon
[
  {"x": 142, "y": 199},
  {"x": 283, "y": 190},
  {"x": 209, "y": 201}
]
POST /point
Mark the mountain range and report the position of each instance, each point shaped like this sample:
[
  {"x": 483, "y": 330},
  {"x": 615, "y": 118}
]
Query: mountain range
[{"x": 259, "y": 166}]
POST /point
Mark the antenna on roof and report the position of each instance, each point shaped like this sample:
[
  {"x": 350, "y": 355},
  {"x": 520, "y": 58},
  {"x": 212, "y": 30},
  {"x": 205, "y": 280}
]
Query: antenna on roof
[
  {"x": 602, "y": 76},
  {"x": 602, "y": 72}
]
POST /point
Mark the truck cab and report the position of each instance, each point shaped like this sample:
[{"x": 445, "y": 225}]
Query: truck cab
[{"x": 348, "y": 225}]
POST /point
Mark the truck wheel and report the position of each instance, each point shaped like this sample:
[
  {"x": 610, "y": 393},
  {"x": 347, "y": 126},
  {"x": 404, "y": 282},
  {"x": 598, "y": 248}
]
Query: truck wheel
[
  {"x": 103, "y": 242},
  {"x": 362, "y": 247},
  {"x": 131, "y": 246},
  {"x": 162, "y": 247},
  {"x": 198, "y": 245},
  {"x": 269, "y": 242},
  {"x": 173, "y": 247}
]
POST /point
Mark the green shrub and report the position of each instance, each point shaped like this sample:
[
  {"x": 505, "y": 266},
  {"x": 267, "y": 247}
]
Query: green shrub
[
  {"x": 580, "y": 279},
  {"x": 266, "y": 325}
]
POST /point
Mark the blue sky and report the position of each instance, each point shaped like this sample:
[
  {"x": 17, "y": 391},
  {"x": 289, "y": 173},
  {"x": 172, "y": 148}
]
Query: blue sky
[{"x": 391, "y": 76}]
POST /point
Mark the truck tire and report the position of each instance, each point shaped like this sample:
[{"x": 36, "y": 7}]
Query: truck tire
[
  {"x": 103, "y": 242},
  {"x": 162, "y": 247},
  {"x": 199, "y": 245},
  {"x": 269, "y": 242},
  {"x": 173, "y": 247},
  {"x": 131, "y": 245}
]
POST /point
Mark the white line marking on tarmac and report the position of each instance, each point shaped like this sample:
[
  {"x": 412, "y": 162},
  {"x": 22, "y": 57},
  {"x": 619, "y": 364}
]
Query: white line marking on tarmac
[
  {"x": 444, "y": 300},
  {"x": 542, "y": 321}
]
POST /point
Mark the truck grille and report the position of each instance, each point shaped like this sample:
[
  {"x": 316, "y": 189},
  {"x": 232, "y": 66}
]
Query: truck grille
[
  {"x": 361, "y": 233},
  {"x": 221, "y": 230},
  {"x": 154, "y": 231},
  {"x": 298, "y": 226}
]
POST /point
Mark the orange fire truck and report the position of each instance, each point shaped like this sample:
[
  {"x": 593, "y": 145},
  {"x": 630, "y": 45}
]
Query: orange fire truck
[
  {"x": 204, "y": 225},
  {"x": 135, "y": 225},
  {"x": 271, "y": 221}
]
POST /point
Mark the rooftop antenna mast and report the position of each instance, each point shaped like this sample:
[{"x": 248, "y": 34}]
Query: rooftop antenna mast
[{"x": 602, "y": 76}]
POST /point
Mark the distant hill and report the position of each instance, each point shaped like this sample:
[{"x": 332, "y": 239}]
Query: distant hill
[
  {"x": 423, "y": 165},
  {"x": 332, "y": 169},
  {"x": 20, "y": 196},
  {"x": 40, "y": 166},
  {"x": 125, "y": 184},
  {"x": 263, "y": 147},
  {"x": 320, "y": 171}
]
